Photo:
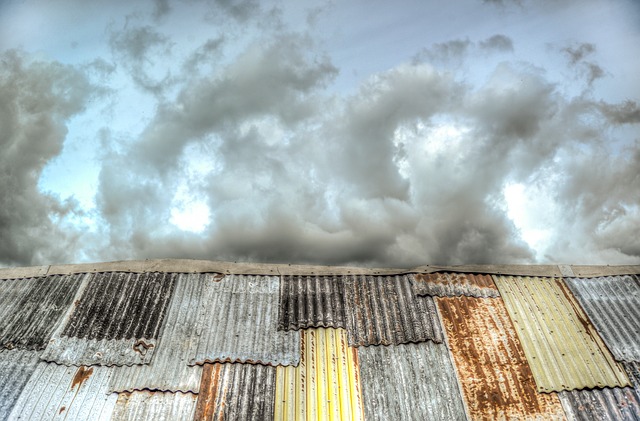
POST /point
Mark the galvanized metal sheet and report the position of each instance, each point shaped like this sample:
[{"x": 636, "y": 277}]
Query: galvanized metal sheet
[
  {"x": 238, "y": 323},
  {"x": 326, "y": 384},
  {"x": 384, "y": 310},
  {"x": 65, "y": 393},
  {"x": 496, "y": 380},
  {"x": 232, "y": 391},
  {"x": 562, "y": 347},
  {"x": 613, "y": 305},
  {"x": 31, "y": 308},
  {"x": 450, "y": 284},
  {"x": 633, "y": 371},
  {"x": 409, "y": 382},
  {"x": 168, "y": 370},
  {"x": 76, "y": 351},
  {"x": 311, "y": 301},
  {"x": 153, "y": 406},
  {"x": 608, "y": 404},
  {"x": 16, "y": 366}
]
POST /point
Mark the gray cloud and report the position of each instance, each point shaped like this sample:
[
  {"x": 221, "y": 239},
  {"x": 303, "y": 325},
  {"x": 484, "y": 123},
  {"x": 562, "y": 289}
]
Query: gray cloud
[
  {"x": 456, "y": 51},
  {"x": 577, "y": 55},
  {"x": 627, "y": 112},
  {"x": 497, "y": 42}
]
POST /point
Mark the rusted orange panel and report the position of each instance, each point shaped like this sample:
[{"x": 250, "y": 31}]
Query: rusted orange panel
[
  {"x": 496, "y": 379},
  {"x": 451, "y": 284}
]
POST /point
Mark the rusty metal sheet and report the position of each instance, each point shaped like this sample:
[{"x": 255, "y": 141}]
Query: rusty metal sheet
[
  {"x": 384, "y": 310},
  {"x": 236, "y": 392},
  {"x": 410, "y": 382},
  {"x": 608, "y": 404},
  {"x": 496, "y": 380},
  {"x": 311, "y": 301},
  {"x": 326, "y": 384},
  {"x": 16, "y": 367},
  {"x": 31, "y": 308},
  {"x": 562, "y": 347},
  {"x": 613, "y": 306},
  {"x": 238, "y": 322},
  {"x": 153, "y": 406},
  {"x": 449, "y": 284},
  {"x": 115, "y": 321}
]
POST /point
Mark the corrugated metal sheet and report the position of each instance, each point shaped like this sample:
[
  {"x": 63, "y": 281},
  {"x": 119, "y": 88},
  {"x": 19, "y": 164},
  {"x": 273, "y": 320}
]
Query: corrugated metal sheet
[
  {"x": 236, "y": 392},
  {"x": 410, "y": 382},
  {"x": 65, "y": 393},
  {"x": 384, "y": 310},
  {"x": 613, "y": 305},
  {"x": 326, "y": 384},
  {"x": 311, "y": 301},
  {"x": 116, "y": 320},
  {"x": 608, "y": 404},
  {"x": 562, "y": 347},
  {"x": 16, "y": 366},
  {"x": 450, "y": 284},
  {"x": 154, "y": 406},
  {"x": 168, "y": 370},
  {"x": 31, "y": 308},
  {"x": 633, "y": 370},
  {"x": 238, "y": 323},
  {"x": 496, "y": 379}
]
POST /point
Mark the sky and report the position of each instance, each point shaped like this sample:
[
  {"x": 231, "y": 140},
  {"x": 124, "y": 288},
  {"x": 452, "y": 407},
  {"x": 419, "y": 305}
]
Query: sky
[{"x": 368, "y": 133}]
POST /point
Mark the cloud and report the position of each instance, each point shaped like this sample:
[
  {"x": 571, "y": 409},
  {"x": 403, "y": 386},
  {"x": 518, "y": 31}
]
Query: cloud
[
  {"x": 627, "y": 112},
  {"x": 577, "y": 55},
  {"x": 457, "y": 51},
  {"x": 497, "y": 42}
]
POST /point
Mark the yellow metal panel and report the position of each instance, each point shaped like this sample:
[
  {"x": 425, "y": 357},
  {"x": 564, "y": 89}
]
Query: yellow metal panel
[
  {"x": 326, "y": 384},
  {"x": 561, "y": 345}
]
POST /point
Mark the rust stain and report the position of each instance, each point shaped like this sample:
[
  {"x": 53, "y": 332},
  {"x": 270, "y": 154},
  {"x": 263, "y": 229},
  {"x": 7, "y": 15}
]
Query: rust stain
[
  {"x": 496, "y": 379},
  {"x": 218, "y": 277},
  {"x": 81, "y": 376},
  {"x": 448, "y": 284},
  {"x": 141, "y": 347},
  {"x": 209, "y": 391},
  {"x": 589, "y": 329},
  {"x": 62, "y": 410}
]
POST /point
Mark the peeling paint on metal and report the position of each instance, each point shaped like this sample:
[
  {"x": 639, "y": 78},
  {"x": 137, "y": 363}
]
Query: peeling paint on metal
[
  {"x": 153, "y": 406},
  {"x": 608, "y": 404},
  {"x": 311, "y": 301},
  {"x": 238, "y": 322},
  {"x": 326, "y": 384},
  {"x": 383, "y": 310},
  {"x": 410, "y": 382},
  {"x": 16, "y": 366},
  {"x": 496, "y": 380},
  {"x": 31, "y": 308},
  {"x": 613, "y": 306},
  {"x": 562, "y": 347},
  {"x": 449, "y": 284},
  {"x": 236, "y": 392}
]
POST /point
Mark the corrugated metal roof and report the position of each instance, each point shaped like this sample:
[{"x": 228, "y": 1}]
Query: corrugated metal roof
[
  {"x": 238, "y": 323},
  {"x": 495, "y": 376},
  {"x": 31, "y": 308},
  {"x": 116, "y": 320},
  {"x": 608, "y": 404},
  {"x": 16, "y": 366},
  {"x": 168, "y": 370},
  {"x": 69, "y": 393},
  {"x": 410, "y": 382},
  {"x": 562, "y": 347},
  {"x": 448, "y": 284},
  {"x": 236, "y": 392},
  {"x": 154, "y": 406},
  {"x": 311, "y": 301},
  {"x": 633, "y": 371},
  {"x": 613, "y": 305},
  {"x": 384, "y": 310},
  {"x": 326, "y": 384}
]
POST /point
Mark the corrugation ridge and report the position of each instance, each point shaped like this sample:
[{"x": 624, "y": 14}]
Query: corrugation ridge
[
  {"x": 602, "y": 404},
  {"x": 451, "y": 284},
  {"x": 633, "y": 371},
  {"x": 71, "y": 351},
  {"x": 152, "y": 406},
  {"x": 16, "y": 367}
]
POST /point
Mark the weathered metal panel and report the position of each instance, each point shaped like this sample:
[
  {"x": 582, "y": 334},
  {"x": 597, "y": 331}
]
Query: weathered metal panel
[
  {"x": 31, "y": 308},
  {"x": 116, "y": 320},
  {"x": 562, "y": 347},
  {"x": 311, "y": 301},
  {"x": 236, "y": 392},
  {"x": 633, "y": 371},
  {"x": 65, "y": 393},
  {"x": 154, "y": 406},
  {"x": 16, "y": 366},
  {"x": 496, "y": 380},
  {"x": 410, "y": 382},
  {"x": 168, "y": 370},
  {"x": 238, "y": 322},
  {"x": 449, "y": 284},
  {"x": 613, "y": 306},
  {"x": 608, "y": 404},
  {"x": 384, "y": 310},
  {"x": 326, "y": 384}
]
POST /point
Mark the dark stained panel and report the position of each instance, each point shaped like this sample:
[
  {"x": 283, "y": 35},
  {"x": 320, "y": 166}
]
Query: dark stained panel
[
  {"x": 607, "y": 404},
  {"x": 450, "y": 284},
  {"x": 16, "y": 367},
  {"x": 633, "y": 370}
]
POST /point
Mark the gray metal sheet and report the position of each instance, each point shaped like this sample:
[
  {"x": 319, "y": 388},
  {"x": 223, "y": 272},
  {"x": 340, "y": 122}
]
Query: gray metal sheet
[
  {"x": 450, "y": 284},
  {"x": 153, "y": 406},
  {"x": 238, "y": 323},
  {"x": 168, "y": 370},
  {"x": 633, "y": 370},
  {"x": 613, "y": 305},
  {"x": 31, "y": 308},
  {"x": 608, "y": 404},
  {"x": 76, "y": 351},
  {"x": 16, "y": 366},
  {"x": 311, "y": 301},
  {"x": 409, "y": 382},
  {"x": 384, "y": 310}
]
